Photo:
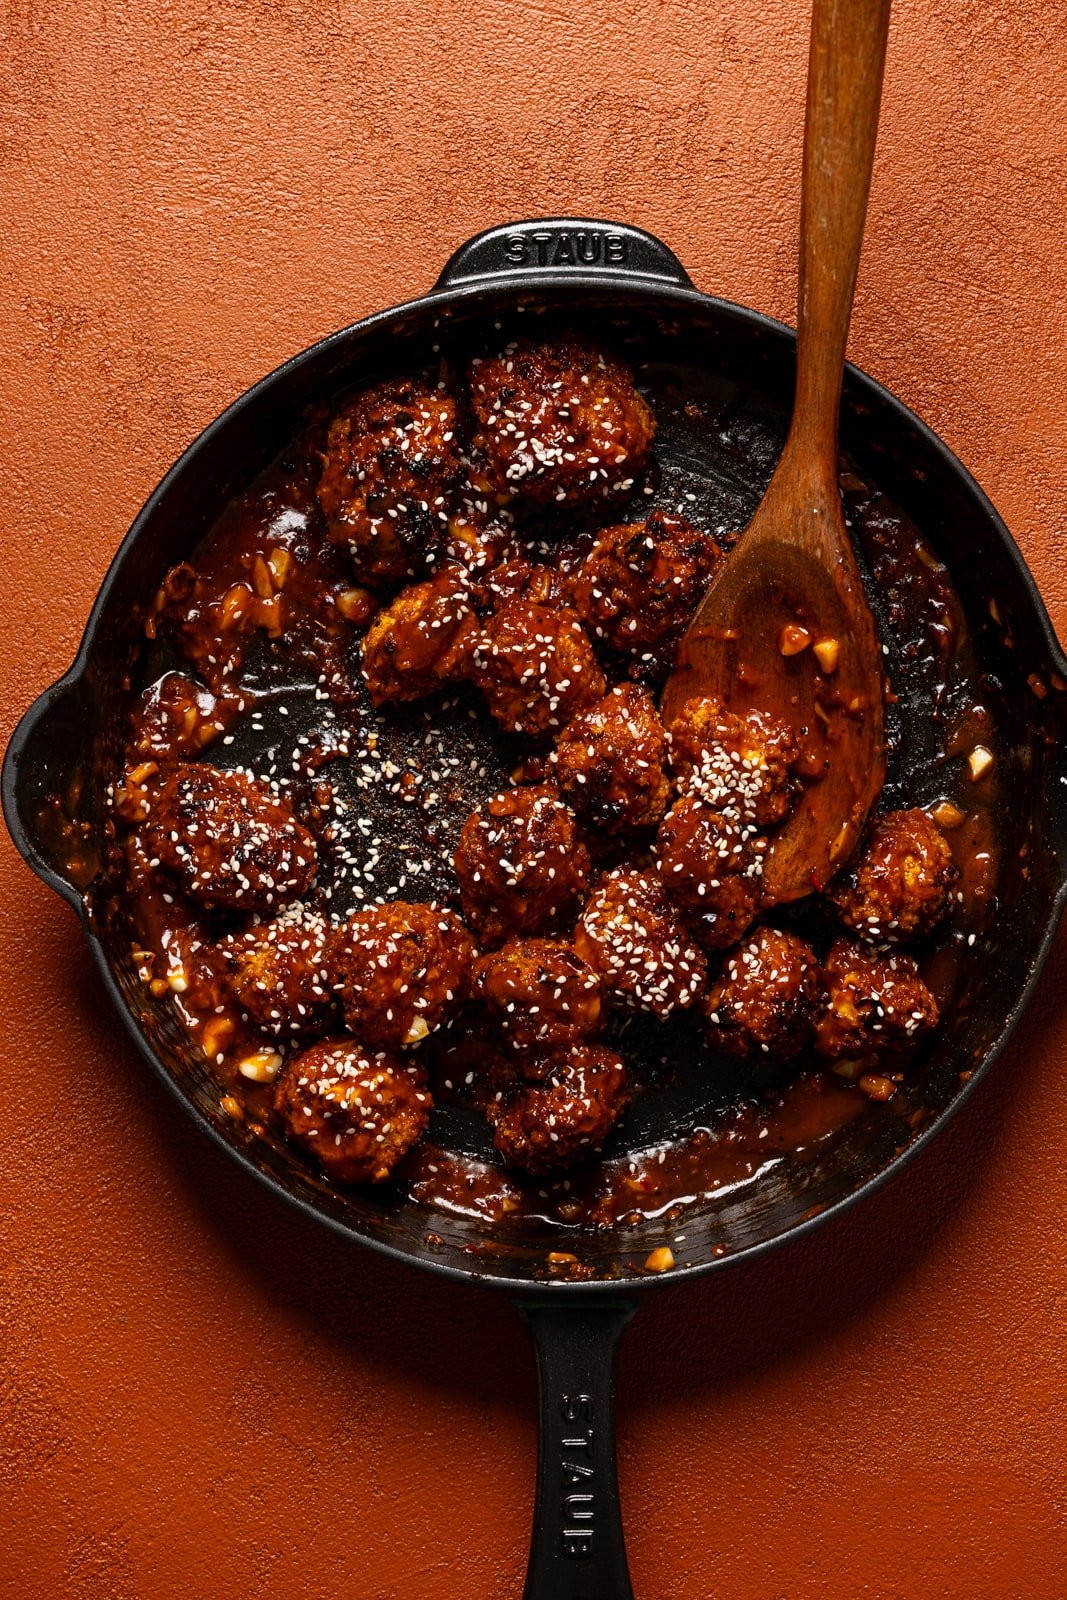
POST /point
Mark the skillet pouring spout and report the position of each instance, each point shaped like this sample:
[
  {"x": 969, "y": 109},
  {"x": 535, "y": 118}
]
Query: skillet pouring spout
[{"x": 47, "y": 778}]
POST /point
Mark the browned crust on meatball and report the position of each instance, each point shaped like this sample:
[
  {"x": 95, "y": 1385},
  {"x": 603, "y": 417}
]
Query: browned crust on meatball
[
  {"x": 540, "y": 993},
  {"x": 357, "y": 1112},
  {"x": 545, "y": 1127},
  {"x": 559, "y": 423},
  {"x": 177, "y": 717},
  {"x": 639, "y": 585},
  {"x": 875, "y": 1002},
  {"x": 711, "y": 866},
  {"x": 480, "y": 534},
  {"x": 226, "y": 840},
  {"x": 390, "y": 470},
  {"x": 536, "y": 667},
  {"x": 519, "y": 578},
  {"x": 737, "y": 764},
  {"x": 280, "y": 974},
  {"x": 630, "y": 934},
  {"x": 609, "y": 762},
  {"x": 401, "y": 968},
  {"x": 521, "y": 865},
  {"x": 767, "y": 997},
  {"x": 901, "y": 886},
  {"x": 423, "y": 640}
]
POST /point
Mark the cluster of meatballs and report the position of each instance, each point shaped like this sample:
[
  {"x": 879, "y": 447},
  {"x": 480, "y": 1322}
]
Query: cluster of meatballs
[{"x": 624, "y": 874}]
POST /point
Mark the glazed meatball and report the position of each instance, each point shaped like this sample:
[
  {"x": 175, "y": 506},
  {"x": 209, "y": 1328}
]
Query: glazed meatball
[
  {"x": 521, "y": 865},
  {"x": 279, "y": 973},
  {"x": 479, "y": 536},
  {"x": 390, "y": 469},
  {"x": 401, "y": 968},
  {"x": 632, "y": 937},
  {"x": 875, "y": 1002},
  {"x": 519, "y": 578},
  {"x": 540, "y": 992},
  {"x": 901, "y": 886},
  {"x": 536, "y": 667},
  {"x": 357, "y": 1112},
  {"x": 176, "y": 717},
  {"x": 712, "y": 867},
  {"x": 422, "y": 641},
  {"x": 559, "y": 423},
  {"x": 545, "y": 1127},
  {"x": 640, "y": 584},
  {"x": 767, "y": 997},
  {"x": 609, "y": 762},
  {"x": 737, "y": 764},
  {"x": 227, "y": 840}
]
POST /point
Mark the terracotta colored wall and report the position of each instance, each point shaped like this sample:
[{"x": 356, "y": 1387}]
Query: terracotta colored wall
[{"x": 202, "y": 1395}]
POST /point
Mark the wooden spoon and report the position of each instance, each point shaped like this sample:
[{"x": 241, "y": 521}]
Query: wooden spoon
[{"x": 785, "y": 627}]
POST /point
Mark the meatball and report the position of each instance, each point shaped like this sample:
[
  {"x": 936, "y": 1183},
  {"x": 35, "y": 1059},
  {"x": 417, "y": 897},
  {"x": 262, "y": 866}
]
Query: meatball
[
  {"x": 519, "y": 578},
  {"x": 540, "y": 992},
  {"x": 479, "y": 536},
  {"x": 545, "y": 1127},
  {"x": 737, "y": 764},
  {"x": 640, "y": 584},
  {"x": 875, "y": 1002},
  {"x": 711, "y": 866},
  {"x": 176, "y": 717},
  {"x": 400, "y": 969},
  {"x": 357, "y": 1112},
  {"x": 227, "y": 840},
  {"x": 536, "y": 667},
  {"x": 279, "y": 973},
  {"x": 901, "y": 886},
  {"x": 767, "y": 998},
  {"x": 422, "y": 641},
  {"x": 632, "y": 938},
  {"x": 559, "y": 423},
  {"x": 609, "y": 762},
  {"x": 521, "y": 866},
  {"x": 390, "y": 469}
]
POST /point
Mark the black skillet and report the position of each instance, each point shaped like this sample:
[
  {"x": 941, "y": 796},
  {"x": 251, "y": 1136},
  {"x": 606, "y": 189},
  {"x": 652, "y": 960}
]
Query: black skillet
[{"x": 699, "y": 357}]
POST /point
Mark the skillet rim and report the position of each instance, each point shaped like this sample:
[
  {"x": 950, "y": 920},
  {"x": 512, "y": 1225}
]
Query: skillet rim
[{"x": 677, "y": 294}]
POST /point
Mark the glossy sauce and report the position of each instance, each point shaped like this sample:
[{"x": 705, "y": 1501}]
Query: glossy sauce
[
  {"x": 659, "y": 1180},
  {"x": 279, "y": 665}
]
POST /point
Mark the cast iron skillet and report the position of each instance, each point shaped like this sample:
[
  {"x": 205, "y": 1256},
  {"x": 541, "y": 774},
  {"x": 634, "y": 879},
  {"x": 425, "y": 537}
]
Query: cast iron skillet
[{"x": 624, "y": 283}]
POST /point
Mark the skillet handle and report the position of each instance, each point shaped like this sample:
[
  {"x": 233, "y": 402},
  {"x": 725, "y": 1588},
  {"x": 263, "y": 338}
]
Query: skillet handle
[
  {"x": 567, "y": 247},
  {"x": 577, "y": 1551}
]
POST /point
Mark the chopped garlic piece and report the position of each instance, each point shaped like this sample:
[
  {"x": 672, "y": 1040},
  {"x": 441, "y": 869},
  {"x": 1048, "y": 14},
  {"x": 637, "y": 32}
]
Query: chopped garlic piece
[{"x": 263, "y": 1067}]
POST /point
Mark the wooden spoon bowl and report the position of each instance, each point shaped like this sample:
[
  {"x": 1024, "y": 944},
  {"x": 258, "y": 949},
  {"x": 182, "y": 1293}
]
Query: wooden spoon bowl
[
  {"x": 786, "y": 630},
  {"x": 785, "y": 627}
]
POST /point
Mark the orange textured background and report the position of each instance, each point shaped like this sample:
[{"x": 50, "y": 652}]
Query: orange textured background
[{"x": 203, "y": 1396}]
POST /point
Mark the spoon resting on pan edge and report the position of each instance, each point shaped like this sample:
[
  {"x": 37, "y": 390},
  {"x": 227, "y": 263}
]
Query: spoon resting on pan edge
[{"x": 785, "y": 627}]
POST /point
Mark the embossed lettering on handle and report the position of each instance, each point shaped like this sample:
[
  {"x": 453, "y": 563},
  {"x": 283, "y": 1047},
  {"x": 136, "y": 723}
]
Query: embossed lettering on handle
[
  {"x": 562, "y": 247},
  {"x": 577, "y": 1550},
  {"x": 566, "y": 247},
  {"x": 578, "y": 1517}
]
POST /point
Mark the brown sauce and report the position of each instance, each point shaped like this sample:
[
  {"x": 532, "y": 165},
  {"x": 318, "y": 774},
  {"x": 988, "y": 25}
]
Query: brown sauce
[
  {"x": 660, "y": 1180},
  {"x": 277, "y": 665}
]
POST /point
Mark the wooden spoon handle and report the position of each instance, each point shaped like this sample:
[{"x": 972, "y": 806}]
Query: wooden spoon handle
[{"x": 848, "y": 41}]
